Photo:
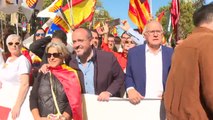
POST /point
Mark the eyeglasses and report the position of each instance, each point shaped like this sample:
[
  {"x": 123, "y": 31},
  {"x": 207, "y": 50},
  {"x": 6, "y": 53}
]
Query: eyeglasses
[
  {"x": 129, "y": 42},
  {"x": 11, "y": 43},
  {"x": 55, "y": 55},
  {"x": 40, "y": 34},
  {"x": 153, "y": 32}
]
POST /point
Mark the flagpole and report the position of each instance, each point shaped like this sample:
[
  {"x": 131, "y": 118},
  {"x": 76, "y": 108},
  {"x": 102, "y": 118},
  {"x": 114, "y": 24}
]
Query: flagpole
[
  {"x": 71, "y": 12},
  {"x": 150, "y": 3},
  {"x": 17, "y": 24},
  {"x": 2, "y": 38}
]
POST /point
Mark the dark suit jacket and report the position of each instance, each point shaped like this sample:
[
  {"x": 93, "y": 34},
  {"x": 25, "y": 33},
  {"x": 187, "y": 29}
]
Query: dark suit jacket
[
  {"x": 108, "y": 75},
  {"x": 136, "y": 67}
]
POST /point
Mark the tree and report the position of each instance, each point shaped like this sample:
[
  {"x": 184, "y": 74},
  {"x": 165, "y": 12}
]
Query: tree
[
  {"x": 186, "y": 21},
  {"x": 100, "y": 15},
  {"x": 185, "y": 24}
]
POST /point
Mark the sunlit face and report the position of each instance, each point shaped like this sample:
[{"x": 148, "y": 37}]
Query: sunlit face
[
  {"x": 111, "y": 42},
  {"x": 39, "y": 34},
  {"x": 95, "y": 40},
  {"x": 81, "y": 43},
  {"x": 129, "y": 43},
  {"x": 124, "y": 37},
  {"x": 154, "y": 34},
  {"x": 14, "y": 46},
  {"x": 54, "y": 57}
]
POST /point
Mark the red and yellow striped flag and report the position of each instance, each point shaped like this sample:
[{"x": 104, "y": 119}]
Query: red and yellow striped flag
[
  {"x": 139, "y": 13},
  {"x": 56, "y": 6},
  {"x": 160, "y": 16},
  {"x": 31, "y": 3}
]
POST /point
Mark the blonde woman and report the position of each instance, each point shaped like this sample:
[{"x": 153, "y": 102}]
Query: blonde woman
[
  {"x": 62, "y": 82},
  {"x": 14, "y": 79}
]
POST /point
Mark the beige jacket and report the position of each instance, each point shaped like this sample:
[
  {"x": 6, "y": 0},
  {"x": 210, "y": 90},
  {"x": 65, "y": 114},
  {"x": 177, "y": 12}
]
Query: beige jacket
[{"x": 189, "y": 87}]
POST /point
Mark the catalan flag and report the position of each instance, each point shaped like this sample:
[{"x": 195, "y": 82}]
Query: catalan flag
[
  {"x": 160, "y": 16},
  {"x": 58, "y": 4},
  {"x": 71, "y": 84},
  {"x": 80, "y": 13},
  {"x": 31, "y": 3},
  {"x": 58, "y": 24},
  {"x": 139, "y": 13}
]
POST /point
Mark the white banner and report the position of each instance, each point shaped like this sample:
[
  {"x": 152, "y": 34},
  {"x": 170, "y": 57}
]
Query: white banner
[{"x": 122, "y": 109}]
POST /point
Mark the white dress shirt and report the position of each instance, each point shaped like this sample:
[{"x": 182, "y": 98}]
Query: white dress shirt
[{"x": 154, "y": 75}]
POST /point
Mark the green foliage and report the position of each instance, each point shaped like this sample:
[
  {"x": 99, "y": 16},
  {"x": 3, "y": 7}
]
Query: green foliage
[
  {"x": 186, "y": 21},
  {"x": 47, "y": 3},
  {"x": 100, "y": 15},
  {"x": 165, "y": 19},
  {"x": 185, "y": 24}
]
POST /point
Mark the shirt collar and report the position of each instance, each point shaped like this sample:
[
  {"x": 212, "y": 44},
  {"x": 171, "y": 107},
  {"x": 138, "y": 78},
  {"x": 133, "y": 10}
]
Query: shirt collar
[
  {"x": 91, "y": 59},
  {"x": 147, "y": 49}
]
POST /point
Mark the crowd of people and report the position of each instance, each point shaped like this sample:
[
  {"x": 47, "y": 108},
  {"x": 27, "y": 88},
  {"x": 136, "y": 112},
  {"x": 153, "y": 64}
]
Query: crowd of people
[{"x": 49, "y": 79}]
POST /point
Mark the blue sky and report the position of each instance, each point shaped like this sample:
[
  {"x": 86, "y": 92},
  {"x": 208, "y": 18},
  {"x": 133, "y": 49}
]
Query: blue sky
[{"x": 119, "y": 8}]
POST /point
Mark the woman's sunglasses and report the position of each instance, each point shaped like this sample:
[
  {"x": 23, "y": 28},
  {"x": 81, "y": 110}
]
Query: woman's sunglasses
[
  {"x": 129, "y": 42},
  {"x": 11, "y": 43},
  {"x": 40, "y": 34},
  {"x": 55, "y": 55}
]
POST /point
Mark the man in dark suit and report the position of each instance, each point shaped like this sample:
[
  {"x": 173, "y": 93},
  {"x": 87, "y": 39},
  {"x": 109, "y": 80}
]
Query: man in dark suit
[
  {"x": 99, "y": 71},
  {"x": 148, "y": 65}
]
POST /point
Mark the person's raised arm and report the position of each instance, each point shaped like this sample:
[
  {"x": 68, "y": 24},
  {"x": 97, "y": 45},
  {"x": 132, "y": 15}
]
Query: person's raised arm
[{"x": 137, "y": 37}]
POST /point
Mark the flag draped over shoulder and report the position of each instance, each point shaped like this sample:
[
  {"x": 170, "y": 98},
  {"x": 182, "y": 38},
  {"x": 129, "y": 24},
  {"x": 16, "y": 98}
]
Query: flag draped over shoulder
[
  {"x": 71, "y": 84},
  {"x": 139, "y": 13},
  {"x": 79, "y": 13}
]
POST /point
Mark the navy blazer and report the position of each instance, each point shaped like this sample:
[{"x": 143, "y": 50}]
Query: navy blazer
[{"x": 136, "y": 67}]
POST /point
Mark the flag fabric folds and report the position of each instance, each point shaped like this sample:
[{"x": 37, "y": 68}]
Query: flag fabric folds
[
  {"x": 56, "y": 6},
  {"x": 79, "y": 13},
  {"x": 139, "y": 13},
  {"x": 58, "y": 24},
  {"x": 71, "y": 84},
  {"x": 75, "y": 2},
  {"x": 175, "y": 13},
  {"x": 51, "y": 11},
  {"x": 160, "y": 16},
  {"x": 31, "y": 3}
]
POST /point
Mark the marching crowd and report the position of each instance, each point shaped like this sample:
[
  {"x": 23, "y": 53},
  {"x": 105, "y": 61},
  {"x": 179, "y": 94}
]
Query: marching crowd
[{"x": 136, "y": 66}]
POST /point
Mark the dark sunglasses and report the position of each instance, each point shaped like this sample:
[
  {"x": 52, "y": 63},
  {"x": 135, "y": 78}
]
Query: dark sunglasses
[
  {"x": 11, "y": 43},
  {"x": 40, "y": 34},
  {"x": 129, "y": 42},
  {"x": 55, "y": 55}
]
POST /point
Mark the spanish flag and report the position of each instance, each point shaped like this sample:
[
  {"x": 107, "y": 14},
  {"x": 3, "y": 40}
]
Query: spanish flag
[
  {"x": 71, "y": 84},
  {"x": 80, "y": 13},
  {"x": 139, "y": 13}
]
